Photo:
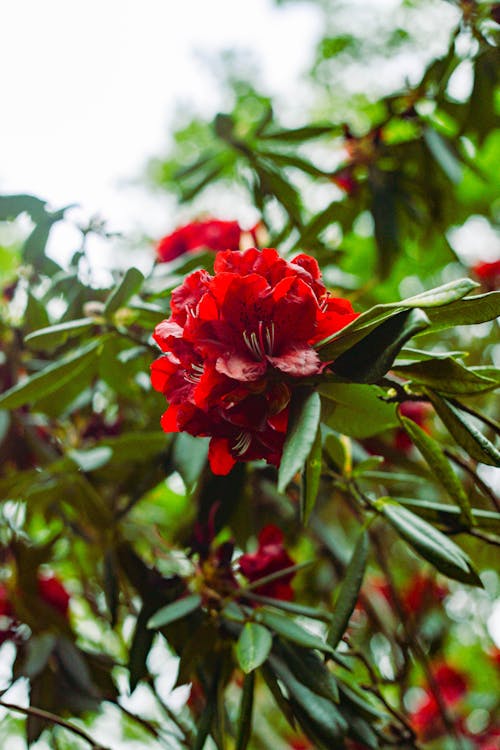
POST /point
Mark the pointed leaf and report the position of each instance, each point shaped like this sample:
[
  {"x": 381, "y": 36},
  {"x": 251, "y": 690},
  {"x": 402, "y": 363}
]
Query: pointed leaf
[
  {"x": 245, "y": 715},
  {"x": 449, "y": 516},
  {"x": 53, "y": 336},
  {"x": 349, "y": 590},
  {"x": 303, "y": 424},
  {"x": 469, "y": 311},
  {"x": 465, "y": 433},
  {"x": 443, "y": 154},
  {"x": 128, "y": 286},
  {"x": 51, "y": 378},
  {"x": 311, "y": 478},
  {"x": 291, "y": 631},
  {"x": 253, "y": 646},
  {"x": 439, "y": 465},
  {"x": 446, "y": 376},
  {"x": 357, "y": 410},
  {"x": 430, "y": 543},
  {"x": 370, "y": 359},
  {"x": 175, "y": 611}
]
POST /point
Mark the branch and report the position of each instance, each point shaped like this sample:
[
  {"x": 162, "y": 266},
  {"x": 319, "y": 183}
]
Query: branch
[{"x": 40, "y": 713}]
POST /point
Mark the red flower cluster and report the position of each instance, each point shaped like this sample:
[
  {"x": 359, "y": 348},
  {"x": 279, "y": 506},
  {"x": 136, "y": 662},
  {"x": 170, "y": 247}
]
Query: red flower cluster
[
  {"x": 488, "y": 274},
  {"x": 50, "y": 590},
  {"x": 452, "y": 685},
  {"x": 211, "y": 234},
  {"x": 270, "y": 557},
  {"x": 236, "y": 345}
]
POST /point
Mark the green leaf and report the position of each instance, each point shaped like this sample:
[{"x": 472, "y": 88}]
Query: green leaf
[
  {"x": 384, "y": 210},
  {"x": 51, "y": 378},
  {"x": 370, "y": 359},
  {"x": 309, "y": 669},
  {"x": 300, "y": 134},
  {"x": 74, "y": 664},
  {"x": 253, "y": 646},
  {"x": 443, "y": 154},
  {"x": 349, "y": 591},
  {"x": 245, "y": 714},
  {"x": 321, "y": 711},
  {"x": 430, "y": 543},
  {"x": 446, "y": 376},
  {"x": 175, "y": 611},
  {"x": 92, "y": 459},
  {"x": 449, "y": 516},
  {"x": 292, "y": 607},
  {"x": 38, "y": 652},
  {"x": 465, "y": 433},
  {"x": 470, "y": 311},
  {"x": 440, "y": 296},
  {"x": 357, "y": 410},
  {"x": 291, "y": 631},
  {"x": 304, "y": 419},
  {"x": 141, "y": 644},
  {"x": 52, "y": 336},
  {"x": 439, "y": 465},
  {"x": 128, "y": 286},
  {"x": 13, "y": 205},
  {"x": 311, "y": 478}
]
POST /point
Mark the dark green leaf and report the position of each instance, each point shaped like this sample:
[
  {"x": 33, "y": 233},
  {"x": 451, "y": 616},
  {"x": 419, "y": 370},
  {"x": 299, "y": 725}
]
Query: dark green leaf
[
  {"x": 49, "y": 338},
  {"x": 288, "y": 629},
  {"x": 311, "y": 478},
  {"x": 141, "y": 644},
  {"x": 465, "y": 433},
  {"x": 38, "y": 652},
  {"x": 74, "y": 664},
  {"x": 128, "y": 286},
  {"x": 477, "y": 309},
  {"x": 446, "y": 376},
  {"x": 357, "y": 410},
  {"x": 309, "y": 669},
  {"x": 370, "y": 359},
  {"x": 13, "y": 205},
  {"x": 253, "y": 646},
  {"x": 300, "y": 134},
  {"x": 92, "y": 459},
  {"x": 349, "y": 591},
  {"x": 450, "y": 517},
  {"x": 51, "y": 378},
  {"x": 430, "y": 543},
  {"x": 303, "y": 423},
  {"x": 245, "y": 714},
  {"x": 175, "y": 611},
  {"x": 385, "y": 217},
  {"x": 439, "y": 465}
]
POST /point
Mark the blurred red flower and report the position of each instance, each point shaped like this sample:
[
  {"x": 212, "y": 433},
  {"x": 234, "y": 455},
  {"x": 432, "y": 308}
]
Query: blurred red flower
[
  {"x": 422, "y": 593},
  {"x": 488, "y": 274},
  {"x": 211, "y": 234},
  {"x": 418, "y": 412},
  {"x": 426, "y": 718},
  {"x": 53, "y": 593},
  {"x": 270, "y": 557},
  {"x": 235, "y": 346}
]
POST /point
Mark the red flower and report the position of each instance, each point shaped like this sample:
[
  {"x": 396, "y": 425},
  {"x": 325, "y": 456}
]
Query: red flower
[
  {"x": 488, "y": 274},
  {"x": 235, "y": 346},
  {"x": 452, "y": 685},
  {"x": 211, "y": 234},
  {"x": 422, "y": 593},
  {"x": 271, "y": 557},
  {"x": 53, "y": 593},
  {"x": 7, "y": 620},
  {"x": 418, "y": 412},
  {"x": 345, "y": 180}
]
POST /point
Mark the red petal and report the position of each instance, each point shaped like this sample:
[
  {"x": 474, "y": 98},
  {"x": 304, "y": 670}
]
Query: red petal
[
  {"x": 221, "y": 460},
  {"x": 169, "y": 421},
  {"x": 300, "y": 361}
]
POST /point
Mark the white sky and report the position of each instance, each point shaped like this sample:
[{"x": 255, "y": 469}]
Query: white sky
[{"x": 89, "y": 89}]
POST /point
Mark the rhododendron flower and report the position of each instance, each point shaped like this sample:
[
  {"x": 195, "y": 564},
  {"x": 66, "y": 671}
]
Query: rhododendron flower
[
  {"x": 270, "y": 557},
  {"x": 452, "y": 685},
  {"x": 488, "y": 274},
  {"x": 422, "y": 593},
  {"x": 211, "y": 234},
  {"x": 236, "y": 345},
  {"x": 53, "y": 593}
]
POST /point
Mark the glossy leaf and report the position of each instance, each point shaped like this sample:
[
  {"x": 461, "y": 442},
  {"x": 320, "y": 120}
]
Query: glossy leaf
[
  {"x": 466, "y": 434},
  {"x": 52, "y": 378},
  {"x": 128, "y": 286},
  {"x": 245, "y": 713},
  {"x": 439, "y": 465},
  {"x": 311, "y": 479},
  {"x": 303, "y": 424},
  {"x": 175, "y": 611},
  {"x": 446, "y": 376},
  {"x": 53, "y": 336},
  {"x": 253, "y": 646},
  {"x": 291, "y": 631},
  {"x": 430, "y": 543},
  {"x": 349, "y": 591},
  {"x": 357, "y": 410},
  {"x": 370, "y": 359}
]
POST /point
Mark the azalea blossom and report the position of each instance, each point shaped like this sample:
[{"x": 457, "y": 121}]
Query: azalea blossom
[
  {"x": 211, "y": 234},
  {"x": 270, "y": 557},
  {"x": 237, "y": 344}
]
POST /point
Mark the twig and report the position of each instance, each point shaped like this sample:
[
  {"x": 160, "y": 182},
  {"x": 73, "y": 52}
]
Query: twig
[
  {"x": 40, "y": 713},
  {"x": 488, "y": 538},
  {"x": 467, "y": 467}
]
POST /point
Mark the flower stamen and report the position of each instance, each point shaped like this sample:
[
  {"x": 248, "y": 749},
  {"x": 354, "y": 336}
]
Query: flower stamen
[{"x": 242, "y": 444}]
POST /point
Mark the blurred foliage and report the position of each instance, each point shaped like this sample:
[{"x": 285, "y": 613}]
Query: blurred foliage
[{"x": 371, "y": 498}]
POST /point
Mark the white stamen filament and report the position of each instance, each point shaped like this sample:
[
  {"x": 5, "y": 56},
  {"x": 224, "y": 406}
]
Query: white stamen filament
[
  {"x": 260, "y": 344},
  {"x": 242, "y": 443}
]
